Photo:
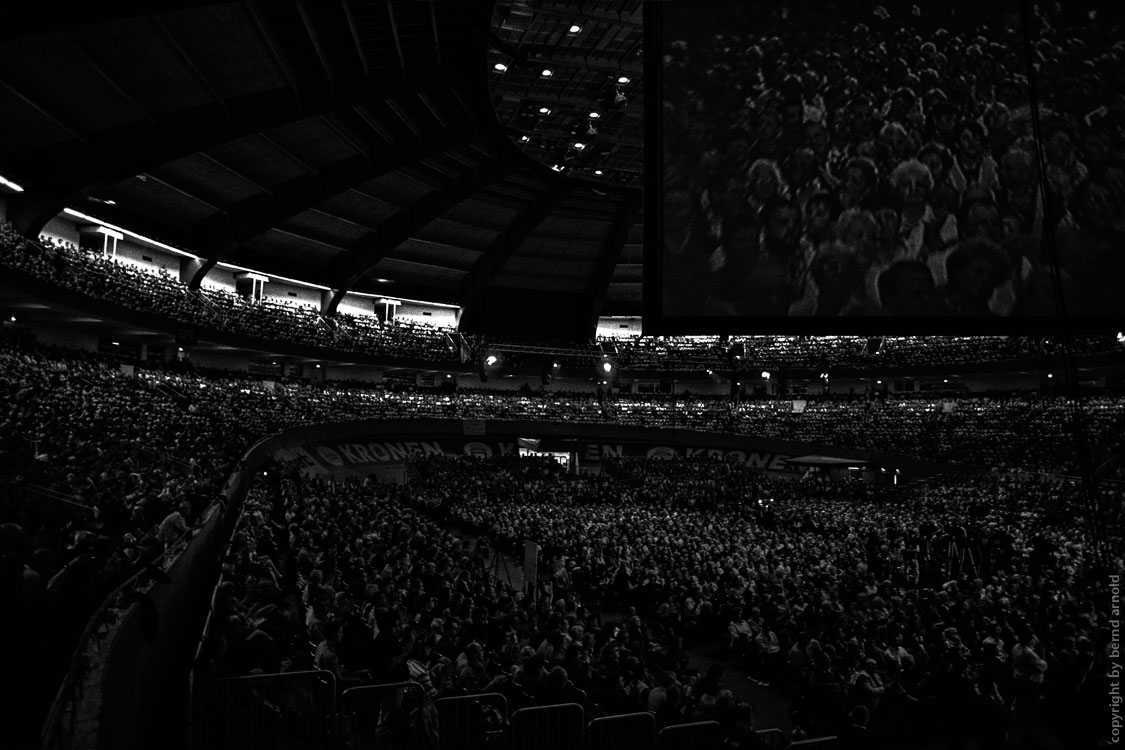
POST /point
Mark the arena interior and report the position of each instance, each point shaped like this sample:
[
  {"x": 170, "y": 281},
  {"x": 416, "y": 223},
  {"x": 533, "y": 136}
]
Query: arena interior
[{"x": 353, "y": 395}]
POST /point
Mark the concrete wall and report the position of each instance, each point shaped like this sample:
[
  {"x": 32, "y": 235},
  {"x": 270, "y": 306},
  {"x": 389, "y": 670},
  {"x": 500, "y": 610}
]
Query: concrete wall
[
  {"x": 292, "y": 294},
  {"x": 429, "y": 314},
  {"x": 61, "y": 230}
]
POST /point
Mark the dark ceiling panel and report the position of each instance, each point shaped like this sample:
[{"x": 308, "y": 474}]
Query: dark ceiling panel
[
  {"x": 484, "y": 213},
  {"x": 400, "y": 188},
  {"x": 209, "y": 179},
  {"x": 313, "y": 141},
  {"x": 446, "y": 231},
  {"x": 259, "y": 160},
  {"x": 331, "y": 228},
  {"x": 57, "y": 79},
  {"x": 165, "y": 83},
  {"x": 359, "y": 208},
  {"x": 227, "y": 48},
  {"x": 291, "y": 247},
  {"x": 436, "y": 254},
  {"x": 24, "y": 126}
]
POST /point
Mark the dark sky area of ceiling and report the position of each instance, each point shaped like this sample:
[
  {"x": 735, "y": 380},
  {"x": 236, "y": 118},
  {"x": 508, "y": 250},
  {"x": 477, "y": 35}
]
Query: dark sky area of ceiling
[{"x": 370, "y": 145}]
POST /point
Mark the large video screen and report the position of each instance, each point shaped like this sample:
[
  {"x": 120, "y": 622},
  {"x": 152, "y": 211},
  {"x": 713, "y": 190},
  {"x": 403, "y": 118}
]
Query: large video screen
[{"x": 945, "y": 166}]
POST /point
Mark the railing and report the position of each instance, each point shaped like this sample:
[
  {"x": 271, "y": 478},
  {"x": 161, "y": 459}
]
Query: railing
[
  {"x": 289, "y": 710},
  {"x": 302, "y": 710},
  {"x": 67, "y": 724}
]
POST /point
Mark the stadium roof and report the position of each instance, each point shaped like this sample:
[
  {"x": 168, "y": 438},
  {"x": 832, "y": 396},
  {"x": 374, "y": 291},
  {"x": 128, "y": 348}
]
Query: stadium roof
[{"x": 371, "y": 145}]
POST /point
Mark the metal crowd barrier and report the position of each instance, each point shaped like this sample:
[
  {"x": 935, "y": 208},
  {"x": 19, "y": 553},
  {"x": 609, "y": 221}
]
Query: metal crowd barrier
[
  {"x": 818, "y": 743},
  {"x": 773, "y": 738},
  {"x": 470, "y": 722},
  {"x": 625, "y": 732},
  {"x": 288, "y": 711},
  {"x": 700, "y": 735},
  {"x": 547, "y": 727},
  {"x": 383, "y": 717}
]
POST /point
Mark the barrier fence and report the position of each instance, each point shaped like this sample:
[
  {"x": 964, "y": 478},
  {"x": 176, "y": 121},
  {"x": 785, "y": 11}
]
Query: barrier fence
[
  {"x": 268, "y": 712},
  {"x": 303, "y": 711}
]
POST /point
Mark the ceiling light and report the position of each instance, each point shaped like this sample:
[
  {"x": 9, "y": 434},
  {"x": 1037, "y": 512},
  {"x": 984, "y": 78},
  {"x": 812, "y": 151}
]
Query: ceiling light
[
  {"x": 765, "y": 375},
  {"x": 9, "y": 184},
  {"x": 544, "y": 110},
  {"x": 579, "y": 146},
  {"x": 595, "y": 115},
  {"x": 607, "y": 366},
  {"x": 181, "y": 348},
  {"x": 500, "y": 67},
  {"x": 547, "y": 72},
  {"x": 597, "y": 171},
  {"x": 524, "y": 139},
  {"x": 623, "y": 79},
  {"x": 575, "y": 28},
  {"x": 116, "y": 343},
  {"x": 318, "y": 367},
  {"x": 382, "y": 281}
]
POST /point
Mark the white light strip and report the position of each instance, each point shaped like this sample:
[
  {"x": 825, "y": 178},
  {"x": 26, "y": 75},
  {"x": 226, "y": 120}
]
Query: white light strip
[
  {"x": 9, "y": 184},
  {"x": 134, "y": 235}
]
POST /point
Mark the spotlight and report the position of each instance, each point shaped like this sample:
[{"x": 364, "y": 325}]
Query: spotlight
[
  {"x": 13, "y": 318},
  {"x": 574, "y": 29},
  {"x": 318, "y": 367},
  {"x": 579, "y": 146},
  {"x": 595, "y": 115},
  {"x": 1121, "y": 337},
  {"x": 500, "y": 67},
  {"x": 556, "y": 365},
  {"x": 547, "y": 72},
  {"x": 606, "y": 366},
  {"x": 765, "y": 374},
  {"x": 710, "y": 372},
  {"x": 524, "y": 139},
  {"x": 490, "y": 360},
  {"x": 597, "y": 171},
  {"x": 623, "y": 79},
  {"x": 544, "y": 110},
  {"x": 1050, "y": 374}
]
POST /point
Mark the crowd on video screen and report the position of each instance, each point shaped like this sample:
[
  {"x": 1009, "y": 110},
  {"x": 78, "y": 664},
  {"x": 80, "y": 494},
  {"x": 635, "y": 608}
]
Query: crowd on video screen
[{"x": 851, "y": 159}]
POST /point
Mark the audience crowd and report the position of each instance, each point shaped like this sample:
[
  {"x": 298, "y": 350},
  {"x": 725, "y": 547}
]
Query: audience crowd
[
  {"x": 843, "y": 159},
  {"x": 162, "y": 294},
  {"x": 954, "y": 608}
]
